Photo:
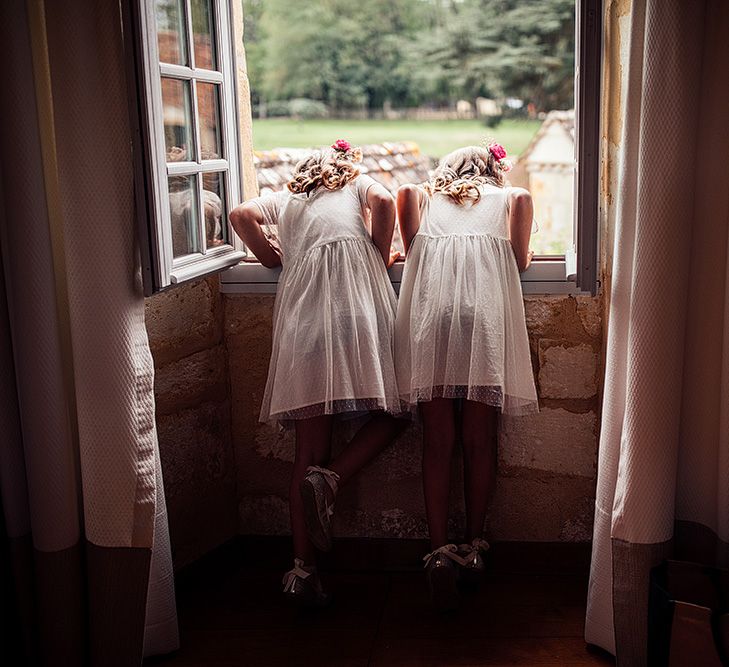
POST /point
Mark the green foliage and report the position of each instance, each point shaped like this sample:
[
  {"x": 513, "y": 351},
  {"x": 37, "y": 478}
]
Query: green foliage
[
  {"x": 434, "y": 137},
  {"x": 493, "y": 121},
  {"x": 302, "y": 107},
  {"x": 360, "y": 54}
]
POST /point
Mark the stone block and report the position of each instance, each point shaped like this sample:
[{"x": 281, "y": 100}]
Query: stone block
[
  {"x": 196, "y": 452},
  {"x": 264, "y": 515},
  {"x": 183, "y": 320},
  {"x": 589, "y": 310},
  {"x": 567, "y": 371},
  {"x": 554, "y": 440},
  {"x": 274, "y": 442},
  {"x": 544, "y": 314},
  {"x": 200, "y": 378},
  {"x": 546, "y": 508}
]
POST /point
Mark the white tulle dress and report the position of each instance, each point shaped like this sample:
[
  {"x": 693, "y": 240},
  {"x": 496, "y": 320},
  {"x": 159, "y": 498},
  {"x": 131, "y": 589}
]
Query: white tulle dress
[
  {"x": 334, "y": 315},
  {"x": 460, "y": 329}
]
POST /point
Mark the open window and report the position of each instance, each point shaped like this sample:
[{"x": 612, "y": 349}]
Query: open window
[
  {"x": 562, "y": 170},
  {"x": 190, "y": 166},
  {"x": 188, "y": 157}
]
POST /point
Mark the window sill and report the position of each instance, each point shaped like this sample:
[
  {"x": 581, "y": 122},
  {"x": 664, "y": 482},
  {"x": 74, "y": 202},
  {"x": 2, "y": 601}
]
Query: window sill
[{"x": 544, "y": 276}]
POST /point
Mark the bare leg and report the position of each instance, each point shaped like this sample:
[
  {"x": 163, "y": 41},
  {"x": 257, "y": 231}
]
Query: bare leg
[
  {"x": 313, "y": 445},
  {"x": 368, "y": 442},
  {"x": 479, "y": 463},
  {"x": 439, "y": 439}
]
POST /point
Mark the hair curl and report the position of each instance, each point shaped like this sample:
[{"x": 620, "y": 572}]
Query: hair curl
[
  {"x": 328, "y": 168},
  {"x": 461, "y": 174}
]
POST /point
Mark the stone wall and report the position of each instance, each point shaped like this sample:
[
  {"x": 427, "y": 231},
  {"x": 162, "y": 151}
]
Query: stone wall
[
  {"x": 185, "y": 327},
  {"x": 546, "y": 472}
]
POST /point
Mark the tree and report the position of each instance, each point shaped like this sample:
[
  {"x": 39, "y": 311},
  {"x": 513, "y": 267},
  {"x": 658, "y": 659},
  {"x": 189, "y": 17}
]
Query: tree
[{"x": 359, "y": 54}]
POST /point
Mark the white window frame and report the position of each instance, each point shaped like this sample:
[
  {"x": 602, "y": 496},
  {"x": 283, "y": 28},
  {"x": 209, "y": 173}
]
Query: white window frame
[
  {"x": 160, "y": 268},
  {"x": 576, "y": 273}
]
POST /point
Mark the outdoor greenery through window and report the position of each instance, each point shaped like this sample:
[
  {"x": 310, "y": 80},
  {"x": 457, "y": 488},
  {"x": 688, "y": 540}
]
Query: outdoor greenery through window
[{"x": 439, "y": 73}]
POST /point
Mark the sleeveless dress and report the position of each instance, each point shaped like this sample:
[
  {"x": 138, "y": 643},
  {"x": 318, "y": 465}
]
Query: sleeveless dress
[
  {"x": 460, "y": 329},
  {"x": 334, "y": 314}
]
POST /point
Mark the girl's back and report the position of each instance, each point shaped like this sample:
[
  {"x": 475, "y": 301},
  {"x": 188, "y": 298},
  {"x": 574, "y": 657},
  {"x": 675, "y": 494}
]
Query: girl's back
[
  {"x": 324, "y": 216},
  {"x": 441, "y": 216},
  {"x": 334, "y": 313}
]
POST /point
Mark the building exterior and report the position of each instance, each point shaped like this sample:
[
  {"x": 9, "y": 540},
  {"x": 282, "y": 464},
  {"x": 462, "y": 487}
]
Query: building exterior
[{"x": 546, "y": 168}]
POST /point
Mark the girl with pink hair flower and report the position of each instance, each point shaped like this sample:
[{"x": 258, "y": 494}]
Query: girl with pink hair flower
[
  {"x": 333, "y": 327},
  {"x": 462, "y": 352}
]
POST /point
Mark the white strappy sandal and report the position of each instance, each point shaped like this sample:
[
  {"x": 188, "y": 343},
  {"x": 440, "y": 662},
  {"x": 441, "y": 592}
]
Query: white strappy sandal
[
  {"x": 442, "y": 575},
  {"x": 471, "y": 564},
  {"x": 319, "y": 491},
  {"x": 302, "y": 586}
]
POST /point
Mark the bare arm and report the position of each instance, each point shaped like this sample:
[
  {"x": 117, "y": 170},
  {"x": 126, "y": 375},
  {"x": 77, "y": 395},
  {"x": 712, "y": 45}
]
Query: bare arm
[
  {"x": 382, "y": 207},
  {"x": 408, "y": 213},
  {"x": 247, "y": 220},
  {"x": 521, "y": 213}
]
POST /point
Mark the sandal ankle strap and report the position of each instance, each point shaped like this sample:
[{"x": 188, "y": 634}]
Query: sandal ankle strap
[
  {"x": 448, "y": 550},
  {"x": 330, "y": 476},
  {"x": 297, "y": 571},
  {"x": 479, "y": 544}
]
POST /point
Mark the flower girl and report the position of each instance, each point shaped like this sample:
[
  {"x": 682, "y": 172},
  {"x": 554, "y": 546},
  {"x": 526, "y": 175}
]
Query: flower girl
[
  {"x": 461, "y": 338},
  {"x": 333, "y": 327}
]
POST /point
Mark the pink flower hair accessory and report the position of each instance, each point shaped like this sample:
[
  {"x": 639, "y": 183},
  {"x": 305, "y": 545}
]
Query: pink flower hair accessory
[
  {"x": 497, "y": 150},
  {"x": 342, "y": 145},
  {"x": 499, "y": 153}
]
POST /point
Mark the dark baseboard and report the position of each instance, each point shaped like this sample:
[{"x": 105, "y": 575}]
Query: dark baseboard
[{"x": 383, "y": 555}]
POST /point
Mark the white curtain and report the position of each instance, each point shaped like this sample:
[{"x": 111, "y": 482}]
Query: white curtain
[
  {"x": 663, "y": 472},
  {"x": 80, "y": 481}
]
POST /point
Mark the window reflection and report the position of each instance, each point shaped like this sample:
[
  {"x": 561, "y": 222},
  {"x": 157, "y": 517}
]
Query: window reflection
[
  {"x": 184, "y": 215},
  {"x": 178, "y": 119},
  {"x": 214, "y": 209},
  {"x": 202, "y": 31},
  {"x": 171, "y": 31}
]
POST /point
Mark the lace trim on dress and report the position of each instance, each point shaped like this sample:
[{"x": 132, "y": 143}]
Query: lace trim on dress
[
  {"x": 348, "y": 407},
  {"x": 490, "y": 395}
]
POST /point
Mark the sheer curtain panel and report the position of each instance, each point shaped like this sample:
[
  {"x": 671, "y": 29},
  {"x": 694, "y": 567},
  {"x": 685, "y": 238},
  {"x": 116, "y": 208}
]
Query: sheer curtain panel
[{"x": 87, "y": 577}]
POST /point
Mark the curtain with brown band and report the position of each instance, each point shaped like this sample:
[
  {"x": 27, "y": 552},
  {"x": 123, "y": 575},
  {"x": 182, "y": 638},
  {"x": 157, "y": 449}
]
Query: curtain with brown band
[
  {"x": 663, "y": 473},
  {"x": 86, "y": 570}
]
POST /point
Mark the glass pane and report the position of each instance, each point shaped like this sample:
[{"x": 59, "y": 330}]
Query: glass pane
[
  {"x": 178, "y": 120},
  {"x": 216, "y": 217},
  {"x": 171, "y": 31},
  {"x": 203, "y": 35},
  {"x": 184, "y": 214},
  {"x": 208, "y": 105}
]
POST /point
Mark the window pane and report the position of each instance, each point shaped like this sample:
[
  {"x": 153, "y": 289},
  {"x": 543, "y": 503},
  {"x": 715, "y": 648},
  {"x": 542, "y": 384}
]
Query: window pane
[
  {"x": 216, "y": 219},
  {"x": 202, "y": 29},
  {"x": 184, "y": 215},
  {"x": 171, "y": 31},
  {"x": 208, "y": 104},
  {"x": 178, "y": 120}
]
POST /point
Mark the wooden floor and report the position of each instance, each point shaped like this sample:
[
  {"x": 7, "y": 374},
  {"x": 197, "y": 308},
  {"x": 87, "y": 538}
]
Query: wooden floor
[{"x": 236, "y": 617}]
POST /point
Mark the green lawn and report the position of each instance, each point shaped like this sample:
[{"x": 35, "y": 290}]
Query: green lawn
[{"x": 435, "y": 138}]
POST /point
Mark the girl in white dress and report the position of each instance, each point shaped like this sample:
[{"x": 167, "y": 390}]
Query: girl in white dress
[
  {"x": 461, "y": 339},
  {"x": 333, "y": 327}
]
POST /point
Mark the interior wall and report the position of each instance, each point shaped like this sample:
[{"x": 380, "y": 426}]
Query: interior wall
[
  {"x": 185, "y": 327},
  {"x": 546, "y": 469}
]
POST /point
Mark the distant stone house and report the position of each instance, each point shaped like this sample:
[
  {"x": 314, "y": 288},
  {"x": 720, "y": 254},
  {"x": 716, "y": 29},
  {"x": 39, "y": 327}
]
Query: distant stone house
[{"x": 546, "y": 168}]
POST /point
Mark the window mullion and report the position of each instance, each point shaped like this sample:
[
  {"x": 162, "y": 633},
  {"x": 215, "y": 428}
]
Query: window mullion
[
  {"x": 186, "y": 73},
  {"x": 189, "y": 34},
  {"x": 198, "y": 159}
]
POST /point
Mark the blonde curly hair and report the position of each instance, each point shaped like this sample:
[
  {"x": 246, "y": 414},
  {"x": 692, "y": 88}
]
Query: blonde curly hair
[
  {"x": 329, "y": 168},
  {"x": 461, "y": 174}
]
